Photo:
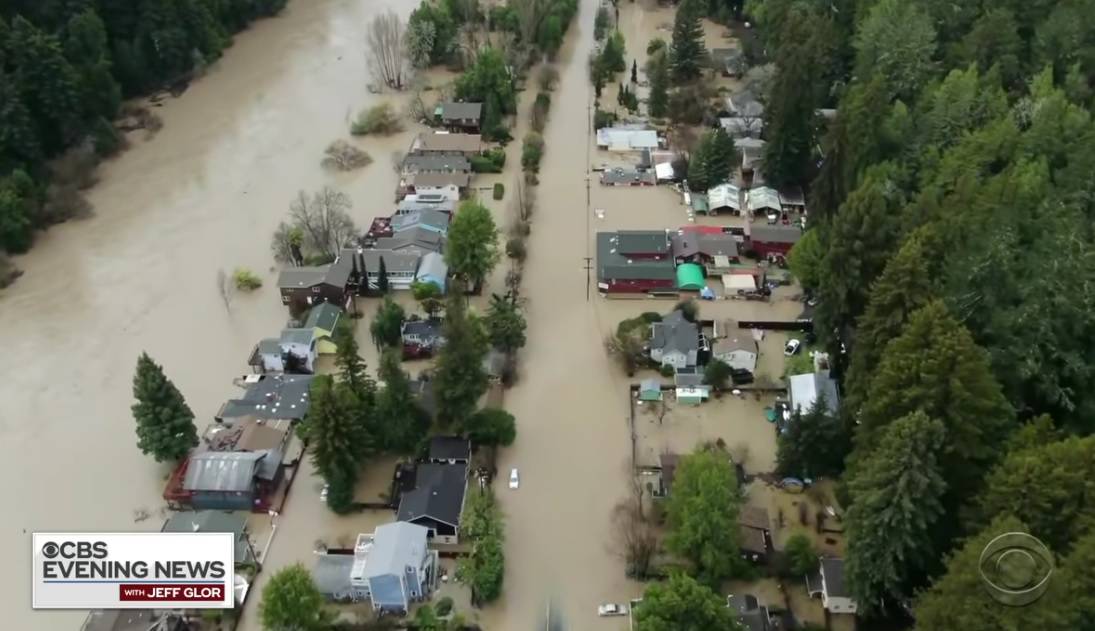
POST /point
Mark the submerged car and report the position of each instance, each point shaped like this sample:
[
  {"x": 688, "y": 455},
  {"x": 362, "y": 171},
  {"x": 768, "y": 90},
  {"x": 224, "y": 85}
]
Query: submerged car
[
  {"x": 612, "y": 609},
  {"x": 514, "y": 479}
]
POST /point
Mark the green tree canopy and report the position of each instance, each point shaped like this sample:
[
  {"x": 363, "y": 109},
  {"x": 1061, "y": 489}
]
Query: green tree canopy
[
  {"x": 492, "y": 427},
  {"x": 897, "y": 498},
  {"x": 897, "y": 41},
  {"x": 472, "y": 248},
  {"x": 405, "y": 424},
  {"x": 657, "y": 70},
  {"x": 338, "y": 440},
  {"x": 484, "y": 569},
  {"x": 683, "y": 604},
  {"x": 802, "y": 557},
  {"x": 505, "y": 323},
  {"x": 292, "y": 602},
  {"x": 387, "y": 326},
  {"x": 488, "y": 81},
  {"x": 165, "y": 424},
  {"x": 815, "y": 443},
  {"x": 460, "y": 378},
  {"x": 702, "y": 515}
]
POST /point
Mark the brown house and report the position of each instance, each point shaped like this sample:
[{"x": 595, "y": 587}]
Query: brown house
[
  {"x": 302, "y": 287},
  {"x": 754, "y": 536},
  {"x": 463, "y": 117}
]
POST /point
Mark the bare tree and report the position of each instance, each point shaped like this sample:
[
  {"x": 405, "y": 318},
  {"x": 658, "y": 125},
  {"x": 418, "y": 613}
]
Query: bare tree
[
  {"x": 637, "y": 537},
  {"x": 530, "y": 13},
  {"x": 387, "y": 57},
  {"x": 224, "y": 287},
  {"x": 324, "y": 220},
  {"x": 343, "y": 156}
]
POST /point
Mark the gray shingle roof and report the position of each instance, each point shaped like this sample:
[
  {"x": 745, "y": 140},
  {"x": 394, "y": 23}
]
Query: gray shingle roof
[
  {"x": 450, "y": 448},
  {"x": 432, "y": 217},
  {"x": 775, "y": 234},
  {"x": 395, "y": 547},
  {"x": 272, "y": 397},
  {"x": 674, "y": 333},
  {"x": 833, "y": 572},
  {"x": 431, "y": 180},
  {"x": 429, "y": 329},
  {"x": 415, "y": 238},
  {"x": 431, "y": 163},
  {"x": 298, "y": 336},
  {"x": 323, "y": 316},
  {"x": 452, "y": 110},
  {"x": 438, "y": 494},
  {"x": 222, "y": 471}
]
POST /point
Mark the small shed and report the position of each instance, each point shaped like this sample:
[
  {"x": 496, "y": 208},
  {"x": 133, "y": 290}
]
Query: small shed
[
  {"x": 738, "y": 283},
  {"x": 650, "y": 390},
  {"x": 433, "y": 270},
  {"x": 690, "y": 277}
]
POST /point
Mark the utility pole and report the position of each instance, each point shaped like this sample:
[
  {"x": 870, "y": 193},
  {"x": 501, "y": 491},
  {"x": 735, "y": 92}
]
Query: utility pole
[{"x": 589, "y": 267}]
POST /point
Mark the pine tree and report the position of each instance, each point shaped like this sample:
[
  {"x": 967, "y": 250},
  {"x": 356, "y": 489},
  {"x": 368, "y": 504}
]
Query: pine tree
[
  {"x": 460, "y": 378},
  {"x": 351, "y": 367},
  {"x": 405, "y": 423},
  {"x": 699, "y": 172},
  {"x": 896, "y": 494},
  {"x": 382, "y": 276},
  {"x": 815, "y": 444},
  {"x": 687, "y": 50},
  {"x": 935, "y": 367},
  {"x": 165, "y": 424},
  {"x": 907, "y": 284},
  {"x": 722, "y": 157},
  {"x": 338, "y": 441},
  {"x": 634, "y": 71},
  {"x": 658, "y": 101},
  {"x": 505, "y": 323}
]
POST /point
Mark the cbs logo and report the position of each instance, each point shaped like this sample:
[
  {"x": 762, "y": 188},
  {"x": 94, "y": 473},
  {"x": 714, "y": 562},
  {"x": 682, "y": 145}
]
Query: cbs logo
[
  {"x": 75, "y": 550},
  {"x": 1015, "y": 568}
]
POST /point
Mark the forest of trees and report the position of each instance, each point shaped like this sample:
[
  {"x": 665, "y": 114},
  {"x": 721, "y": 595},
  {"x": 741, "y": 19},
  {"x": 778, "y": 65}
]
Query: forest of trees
[
  {"x": 66, "y": 65},
  {"x": 950, "y": 243}
]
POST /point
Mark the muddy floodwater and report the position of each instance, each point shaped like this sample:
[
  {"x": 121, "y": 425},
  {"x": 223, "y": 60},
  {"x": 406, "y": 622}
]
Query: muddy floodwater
[{"x": 202, "y": 198}]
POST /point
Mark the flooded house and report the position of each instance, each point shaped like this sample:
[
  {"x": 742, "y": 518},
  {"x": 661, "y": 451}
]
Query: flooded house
[
  {"x": 627, "y": 139},
  {"x": 324, "y": 317},
  {"x": 675, "y": 341},
  {"x": 635, "y": 261},
  {"x": 303, "y": 287},
  {"x": 764, "y": 202},
  {"x": 754, "y": 533},
  {"x": 433, "y": 163},
  {"x": 392, "y": 567},
  {"x": 294, "y": 352},
  {"x": 460, "y": 117},
  {"x": 738, "y": 351},
  {"x": 429, "y": 219},
  {"x": 426, "y": 201},
  {"x": 268, "y": 397},
  {"x": 418, "y": 240},
  {"x": 449, "y": 450},
  {"x": 451, "y": 184},
  {"x": 807, "y": 389},
  {"x": 703, "y": 248},
  {"x": 447, "y": 143},
  {"x": 136, "y": 620},
  {"x": 421, "y": 338},
  {"x": 769, "y": 241},
  {"x": 435, "y": 500},
  {"x": 399, "y": 266},
  {"x": 216, "y": 521},
  {"x": 628, "y": 176},
  {"x": 724, "y": 199},
  {"x": 828, "y": 584}
]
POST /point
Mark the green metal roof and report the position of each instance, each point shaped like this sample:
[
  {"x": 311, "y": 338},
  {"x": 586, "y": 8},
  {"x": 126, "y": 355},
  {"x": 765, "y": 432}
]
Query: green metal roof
[
  {"x": 323, "y": 316},
  {"x": 690, "y": 276}
]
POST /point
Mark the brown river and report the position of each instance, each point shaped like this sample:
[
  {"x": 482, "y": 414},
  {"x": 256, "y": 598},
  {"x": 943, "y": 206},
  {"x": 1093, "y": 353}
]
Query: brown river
[{"x": 204, "y": 196}]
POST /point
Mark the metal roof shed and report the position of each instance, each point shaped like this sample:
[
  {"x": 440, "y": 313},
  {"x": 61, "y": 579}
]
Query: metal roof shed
[{"x": 690, "y": 277}]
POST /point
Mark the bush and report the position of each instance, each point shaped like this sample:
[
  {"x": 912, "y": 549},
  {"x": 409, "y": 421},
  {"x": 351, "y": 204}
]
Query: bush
[
  {"x": 483, "y": 164},
  {"x": 379, "y": 119},
  {"x": 444, "y": 606},
  {"x": 540, "y": 109},
  {"x": 515, "y": 249},
  {"x": 688, "y": 308},
  {"x": 343, "y": 156},
  {"x": 602, "y": 118},
  {"x": 655, "y": 45},
  {"x": 497, "y": 156},
  {"x": 601, "y": 23},
  {"x": 549, "y": 78},
  {"x": 246, "y": 280},
  {"x": 800, "y": 555},
  {"x": 667, "y": 370},
  {"x": 499, "y": 190},
  {"x": 532, "y": 150}
]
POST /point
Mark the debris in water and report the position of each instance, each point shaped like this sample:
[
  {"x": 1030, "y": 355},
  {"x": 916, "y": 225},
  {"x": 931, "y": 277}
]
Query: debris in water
[{"x": 140, "y": 515}]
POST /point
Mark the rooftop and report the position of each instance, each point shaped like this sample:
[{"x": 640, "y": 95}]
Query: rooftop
[
  {"x": 324, "y": 316},
  {"x": 754, "y": 517},
  {"x": 432, "y": 217},
  {"x": 425, "y": 201},
  {"x": 623, "y": 137},
  {"x": 444, "y": 141},
  {"x": 763, "y": 198},
  {"x": 230, "y": 471},
  {"x": 393, "y": 548},
  {"x": 416, "y": 237},
  {"x": 451, "y": 110},
  {"x": 303, "y": 337},
  {"x": 832, "y": 573},
  {"x": 642, "y": 242},
  {"x": 331, "y": 573},
  {"x": 689, "y": 244},
  {"x": 775, "y": 233},
  {"x": 393, "y": 261},
  {"x": 302, "y": 277},
  {"x": 450, "y": 448},
  {"x": 429, "y": 328},
  {"x": 438, "y": 494},
  {"x": 613, "y": 265},
  {"x": 675, "y": 333},
  {"x": 805, "y": 389},
  {"x": 436, "y": 163},
  {"x": 439, "y": 180},
  {"x": 271, "y": 397}
]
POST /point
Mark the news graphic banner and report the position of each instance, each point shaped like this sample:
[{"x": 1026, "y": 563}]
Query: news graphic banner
[{"x": 168, "y": 570}]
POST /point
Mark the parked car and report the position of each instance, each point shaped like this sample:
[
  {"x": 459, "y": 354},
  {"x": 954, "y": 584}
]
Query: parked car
[
  {"x": 514, "y": 479},
  {"x": 323, "y": 493},
  {"x": 612, "y": 609},
  {"x": 792, "y": 347}
]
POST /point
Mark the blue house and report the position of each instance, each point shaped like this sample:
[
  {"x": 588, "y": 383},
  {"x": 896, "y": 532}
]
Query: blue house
[
  {"x": 432, "y": 269},
  {"x": 395, "y": 566}
]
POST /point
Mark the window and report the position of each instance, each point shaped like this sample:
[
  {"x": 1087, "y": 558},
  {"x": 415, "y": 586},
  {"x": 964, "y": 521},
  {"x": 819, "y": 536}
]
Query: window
[{"x": 315, "y": 290}]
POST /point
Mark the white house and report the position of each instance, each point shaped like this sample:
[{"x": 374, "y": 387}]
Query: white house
[
  {"x": 740, "y": 353},
  {"x": 294, "y": 352},
  {"x": 626, "y": 139},
  {"x": 805, "y": 389},
  {"x": 828, "y": 583},
  {"x": 674, "y": 341},
  {"x": 394, "y": 566}
]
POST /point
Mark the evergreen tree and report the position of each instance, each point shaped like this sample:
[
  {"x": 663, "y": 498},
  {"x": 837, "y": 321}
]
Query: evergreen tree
[
  {"x": 338, "y": 441},
  {"x": 382, "y": 277},
  {"x": 460, "y": 378},
  {"x": 815, "y": 444},
  {"x": 405, "y": 424},
  {"x": 634, "y": 71},
  {"x": 934, "y": 367},
  {"x": 165, "y": 424},
  {"x": 858, "y": 244},
  {"x": 491, "y": 427},
  {"x": 699, "y": 167},
  {"x": 722, "y": 158},
  {"x": 702, "y": 515},
  {"x": 896, "y": 495},
  {"x": 907, "y": 284},
  {"x": 47, "y": 82},
  {"x": 16, "y": 211},
  {"x": 387, "y": 326},
  {"x": 85, "y": 47},
  {"x": 687, "y": 50},
  {"x": 897, "y": 41},
  {"x": 352, "y": 369},
  {"x": 658, "y": 70}
]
